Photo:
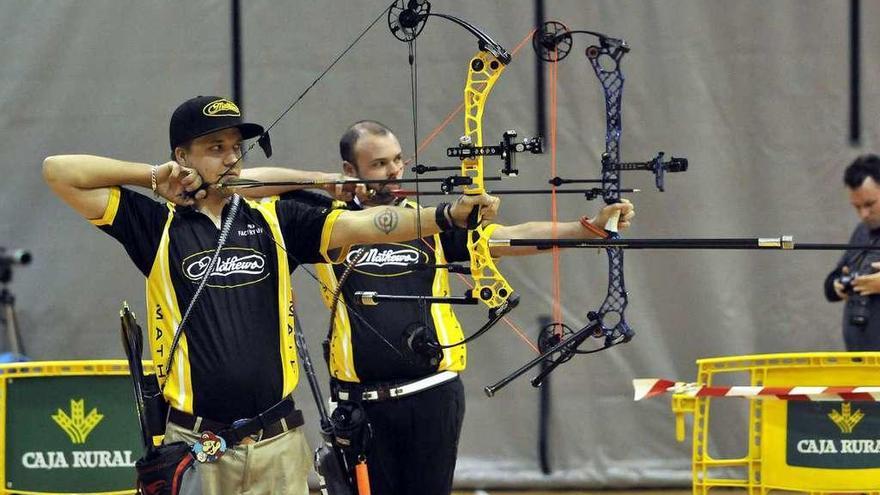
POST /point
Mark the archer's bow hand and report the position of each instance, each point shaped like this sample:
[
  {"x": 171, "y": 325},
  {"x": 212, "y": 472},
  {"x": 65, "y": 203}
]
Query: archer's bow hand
[
  {"x": 462, "y": 207},
  {"x": 178, "y": 184},
  {"x": 344, "y": 192},
  {"x": 623, "y": 212}
]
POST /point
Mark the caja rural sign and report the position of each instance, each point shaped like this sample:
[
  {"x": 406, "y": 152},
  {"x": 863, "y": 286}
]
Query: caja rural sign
[
  {"x": 68, "y": 434},
  {"x": 833, "y": 435}
]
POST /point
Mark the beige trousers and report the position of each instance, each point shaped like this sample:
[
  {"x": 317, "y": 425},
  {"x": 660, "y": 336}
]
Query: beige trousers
[{"x": 279, "y": 465}]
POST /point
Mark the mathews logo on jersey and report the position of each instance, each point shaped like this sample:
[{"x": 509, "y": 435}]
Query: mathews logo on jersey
[
  {"x": 387, "y": 260},
  {"x": 235, "y": 267}
]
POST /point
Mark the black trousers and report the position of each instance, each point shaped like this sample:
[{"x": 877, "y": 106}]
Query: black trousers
[{"x": 415, "y": 441}]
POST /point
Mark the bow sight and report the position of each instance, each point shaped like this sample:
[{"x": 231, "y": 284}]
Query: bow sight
[
  {"x": 507, "y": 150},
  {"x": 466, "y": 150},
  {"x": 657, "y": 166}
]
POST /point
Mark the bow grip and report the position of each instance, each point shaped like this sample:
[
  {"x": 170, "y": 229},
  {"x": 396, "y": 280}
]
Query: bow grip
[
  {"x": 473, "y": 219},
  {"x": 612, "y": 223}
]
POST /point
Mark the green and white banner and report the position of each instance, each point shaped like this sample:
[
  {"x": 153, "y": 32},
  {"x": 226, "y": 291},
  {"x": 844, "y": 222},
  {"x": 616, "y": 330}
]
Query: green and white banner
[
  {"x": 833, "y": 435},
  {"x": 71, "y": 434}
]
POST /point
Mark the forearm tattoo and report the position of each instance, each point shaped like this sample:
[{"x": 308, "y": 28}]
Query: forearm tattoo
[{"x": 387, "y": 220}]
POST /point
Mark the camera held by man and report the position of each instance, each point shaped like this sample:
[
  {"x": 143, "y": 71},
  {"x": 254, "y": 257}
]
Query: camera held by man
[
  {"x": 848, "y": 284},
  {"x": 852, "y": 287}
]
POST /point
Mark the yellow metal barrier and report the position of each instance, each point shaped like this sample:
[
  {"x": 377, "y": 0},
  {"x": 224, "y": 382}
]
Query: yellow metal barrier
[{"x": 801, "y": 446}]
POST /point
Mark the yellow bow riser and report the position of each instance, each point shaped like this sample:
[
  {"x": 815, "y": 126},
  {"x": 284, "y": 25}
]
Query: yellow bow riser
[{"x": 489, "y": 285}]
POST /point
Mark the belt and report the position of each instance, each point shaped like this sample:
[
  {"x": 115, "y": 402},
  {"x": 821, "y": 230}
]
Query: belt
[
  {"x": 355, "y": 391},
  {"x": 274, "y": 421}
]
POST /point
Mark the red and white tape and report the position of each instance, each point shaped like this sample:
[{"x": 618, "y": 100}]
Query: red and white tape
[{"x": 652, "y": 387}]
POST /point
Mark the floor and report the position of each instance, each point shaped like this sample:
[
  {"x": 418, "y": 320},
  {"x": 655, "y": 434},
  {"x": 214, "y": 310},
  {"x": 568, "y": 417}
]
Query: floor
[{"x": 594, "y": 492}]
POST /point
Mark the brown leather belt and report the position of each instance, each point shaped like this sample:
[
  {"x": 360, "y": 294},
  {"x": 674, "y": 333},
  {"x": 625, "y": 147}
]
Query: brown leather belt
[{"x": 273, "y": 422}]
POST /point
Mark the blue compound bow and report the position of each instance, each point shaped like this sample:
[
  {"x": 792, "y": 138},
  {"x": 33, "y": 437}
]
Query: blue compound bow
[{"x": 558, "y": 342}]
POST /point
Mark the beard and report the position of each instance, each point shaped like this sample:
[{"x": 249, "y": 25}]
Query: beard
[{"x": 382, "y": 197}]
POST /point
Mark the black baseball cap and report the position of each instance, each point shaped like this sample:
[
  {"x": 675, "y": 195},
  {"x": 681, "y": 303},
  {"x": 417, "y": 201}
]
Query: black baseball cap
[{"x": 203, "y": 115}]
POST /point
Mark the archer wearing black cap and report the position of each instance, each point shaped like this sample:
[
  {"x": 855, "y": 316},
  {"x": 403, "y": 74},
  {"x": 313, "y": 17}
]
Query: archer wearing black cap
[
  {"x": 218, "y": 270},
  {"x": 203, "y": 115}
]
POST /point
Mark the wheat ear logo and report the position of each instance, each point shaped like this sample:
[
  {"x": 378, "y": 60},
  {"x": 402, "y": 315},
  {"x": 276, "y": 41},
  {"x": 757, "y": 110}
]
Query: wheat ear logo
[
  {"x": 78, "y": 425},
  {"x": 846, "y": 420}
]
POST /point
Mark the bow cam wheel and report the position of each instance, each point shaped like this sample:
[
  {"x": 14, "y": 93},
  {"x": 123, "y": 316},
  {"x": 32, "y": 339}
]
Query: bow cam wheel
[
  {"x": 552, "y": 42},
  {"x": 550, "y": 336},
  {"x": 406, "y": 18}
]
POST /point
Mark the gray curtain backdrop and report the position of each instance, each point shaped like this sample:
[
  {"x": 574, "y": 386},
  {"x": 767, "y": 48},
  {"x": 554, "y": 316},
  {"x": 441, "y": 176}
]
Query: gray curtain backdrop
[{"x": 753, "y": 93}]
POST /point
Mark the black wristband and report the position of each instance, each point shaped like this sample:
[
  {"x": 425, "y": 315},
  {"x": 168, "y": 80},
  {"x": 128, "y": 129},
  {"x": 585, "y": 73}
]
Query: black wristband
[{"x": 442, "y": 218}]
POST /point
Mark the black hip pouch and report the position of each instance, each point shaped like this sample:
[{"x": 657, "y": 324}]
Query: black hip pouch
[{"x": 162, "y": 470}]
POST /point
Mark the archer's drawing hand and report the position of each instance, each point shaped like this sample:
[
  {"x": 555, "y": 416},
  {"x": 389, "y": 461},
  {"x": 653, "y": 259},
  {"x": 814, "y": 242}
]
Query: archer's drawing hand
[
  {"x": 177, "y": 183},
  {"x": 344, "y": 192}
]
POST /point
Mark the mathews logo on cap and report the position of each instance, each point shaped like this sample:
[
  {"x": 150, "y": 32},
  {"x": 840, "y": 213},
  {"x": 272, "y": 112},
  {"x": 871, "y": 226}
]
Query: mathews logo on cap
[{"x": 221, "y": 108}]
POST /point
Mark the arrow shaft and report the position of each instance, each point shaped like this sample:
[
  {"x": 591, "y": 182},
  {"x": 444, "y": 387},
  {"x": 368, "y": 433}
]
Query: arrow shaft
[
  {"x": 784, "y": 243},
  {"x": 408, "y": 192},
  {"x": 249, "y": 183}
]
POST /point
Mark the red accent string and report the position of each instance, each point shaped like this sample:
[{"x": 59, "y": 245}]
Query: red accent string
[
  {"x": 505, "y": 319},
  {"x": 433, "y": 135}
]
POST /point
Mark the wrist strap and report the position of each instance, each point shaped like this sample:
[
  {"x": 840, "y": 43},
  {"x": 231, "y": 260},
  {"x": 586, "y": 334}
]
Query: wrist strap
[
  {"x": 443, "y": 218},
  {"x": 587, "y": 224}
]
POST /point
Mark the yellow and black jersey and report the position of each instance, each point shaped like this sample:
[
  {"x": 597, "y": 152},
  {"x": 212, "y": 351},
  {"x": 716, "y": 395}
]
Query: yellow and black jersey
[
  {"x": 357, "y": 354},
  {"x": 237, "y": 354}
]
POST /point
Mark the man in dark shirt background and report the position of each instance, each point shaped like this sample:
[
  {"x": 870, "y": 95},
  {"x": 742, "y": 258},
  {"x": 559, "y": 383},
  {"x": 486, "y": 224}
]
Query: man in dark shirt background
[{"x": 855, "y": 279}]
